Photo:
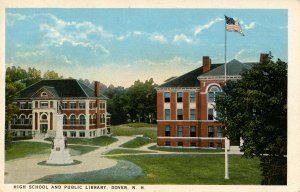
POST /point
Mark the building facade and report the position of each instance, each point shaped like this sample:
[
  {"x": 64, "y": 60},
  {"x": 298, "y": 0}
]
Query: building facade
[
  {"x": 186, "y": 116},
  {"x": 84, "y": 110}
]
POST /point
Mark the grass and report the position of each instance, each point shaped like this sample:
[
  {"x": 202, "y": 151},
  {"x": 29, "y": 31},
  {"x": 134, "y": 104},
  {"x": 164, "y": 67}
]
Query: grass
[
  {"x": 125, "y": 151},
  {"x": 194, "y": 169},
  {"x": 195, "y": 150},
  {"x": 97, "y": 141},
  {"x": 150, "y": 132},
  {"x": 137, "y": 125},
  {"x": 23, "y": 149},
  {"x": 80, "y": 150},
  {"x": 168, "y": 169},
  {"x": 137, "y": 142},
  {"x": 123, "y": 171}
]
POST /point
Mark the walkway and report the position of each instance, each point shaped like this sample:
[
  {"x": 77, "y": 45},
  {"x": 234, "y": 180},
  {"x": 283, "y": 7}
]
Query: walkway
[{"x": 25, "y": 170}]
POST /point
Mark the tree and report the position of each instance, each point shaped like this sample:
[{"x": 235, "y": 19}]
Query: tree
[
  {"x": 255, "y": 109},
  {"x": 52, "y": 75}
]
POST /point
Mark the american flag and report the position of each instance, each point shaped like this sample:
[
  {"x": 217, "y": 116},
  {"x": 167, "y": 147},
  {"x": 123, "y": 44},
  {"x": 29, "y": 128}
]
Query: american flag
[{"x": 233, "y": 25}]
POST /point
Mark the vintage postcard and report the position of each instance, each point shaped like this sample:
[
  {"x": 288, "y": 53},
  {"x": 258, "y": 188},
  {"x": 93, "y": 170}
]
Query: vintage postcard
[{"x": 149, "y": 96}]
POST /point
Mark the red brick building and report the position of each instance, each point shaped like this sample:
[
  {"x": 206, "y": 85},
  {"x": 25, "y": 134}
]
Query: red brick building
[
  {"x": 185, "y": 106},
  {"x": 83, "y": 107}
]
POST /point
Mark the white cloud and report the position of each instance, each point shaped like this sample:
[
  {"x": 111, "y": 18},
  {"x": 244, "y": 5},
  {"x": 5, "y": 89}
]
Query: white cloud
[
  {"x": 208, "y": 25},
  {"x": 250, "y": 25},
  {"x": 158, "y": 37},
  {"x": 182, "y": 38},
  {"x": 151, "y": 36}
]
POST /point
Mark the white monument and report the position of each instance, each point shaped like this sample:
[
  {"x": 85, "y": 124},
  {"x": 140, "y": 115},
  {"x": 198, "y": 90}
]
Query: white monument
[{"x": 59, "y": 153}]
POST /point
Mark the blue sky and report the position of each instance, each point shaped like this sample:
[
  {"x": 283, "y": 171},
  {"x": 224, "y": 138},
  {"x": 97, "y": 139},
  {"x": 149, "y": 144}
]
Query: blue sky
[{"x": 119, "y": 46}]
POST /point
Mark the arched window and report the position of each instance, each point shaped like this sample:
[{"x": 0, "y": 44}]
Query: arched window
[
  {"x": 213, "y": 91},
  {"x": 65, "y": 120},
  {"x": 82, "y": 120},
  {"x": 22, "y": 118},
  {"x": 73, "y": 120}
]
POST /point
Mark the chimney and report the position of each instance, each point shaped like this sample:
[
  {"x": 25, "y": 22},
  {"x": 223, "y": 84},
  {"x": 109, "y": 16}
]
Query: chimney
[
  {"x": 206, "y": 64},
  {"x": 263, "y": 57},
  {"x": 97, "y": 88}
]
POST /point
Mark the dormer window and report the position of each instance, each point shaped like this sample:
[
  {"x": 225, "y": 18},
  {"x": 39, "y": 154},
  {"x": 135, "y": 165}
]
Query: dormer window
[{"x": 44, "y": 94}]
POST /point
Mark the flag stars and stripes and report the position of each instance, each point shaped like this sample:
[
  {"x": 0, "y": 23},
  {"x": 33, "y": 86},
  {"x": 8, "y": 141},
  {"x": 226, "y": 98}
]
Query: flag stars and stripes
[{"x": 233, "y": 25}]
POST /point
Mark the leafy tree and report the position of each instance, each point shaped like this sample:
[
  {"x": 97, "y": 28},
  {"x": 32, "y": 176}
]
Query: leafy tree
[
  {"x": 52, "y": 75},
  {"x": 255, "y": 109}
]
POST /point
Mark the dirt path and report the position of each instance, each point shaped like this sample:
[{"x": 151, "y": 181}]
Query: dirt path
[{"x": 25, "y": 170}]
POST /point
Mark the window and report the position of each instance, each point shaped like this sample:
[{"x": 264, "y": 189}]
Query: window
[
  {"x": 167, "y": 131},
  {"x": 82, "y": 105},
  {"x": 44, "y": 118},
  {"x": 23, "y": 133},
  {"x": 192, "y": 97},
  {"x": 94, "y": 119},
  {"x": 179, "y": 97},
  {"x": 43, "y": 94},
  {"x": 219, "y": 145},
  {"x": 210, "y": 131},
  {"x": 64, "y": 105},
  {"x": 73, "y": 120},
  {"x": 81, "y": 120},
  {"x": 14, "y": 120},
  {"x": 211, "y": 145},
  {"x": 192, "y": 131},
  {"x": 65, "y": 133},
  {"x": 73, "y": 134},
  {"x": 44, "y": 104},
  {"x": 179, "y": 131},
  {"x": 167, "y": 97},
  {"x": 92, "y": 105},
  {"x": 73, "y": 105},
  {"x": 167, "y": 143},
  {"x": 30, "y": 119},
  {"x": 65, "y": 121},
  {"x": 192, "y": 114},
  {"x": 29, "y": 105},
  {"x": 219, "y": 131},
  {"x": 193, "y": 144},
  {"x": 210, "y": 114},
  {"x": 180, "y": 143},
  {"x": 22, "y": 119},
  {"x": 81, "y": 134},
  {"x": 179, "y": 114},
  {"x": 213, "y": 91},
  {"x": 167, "y": 114}
]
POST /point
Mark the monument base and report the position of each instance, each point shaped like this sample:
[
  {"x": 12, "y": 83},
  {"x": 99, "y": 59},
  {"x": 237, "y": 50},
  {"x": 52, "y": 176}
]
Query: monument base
[{"x": 59, "y": 154}]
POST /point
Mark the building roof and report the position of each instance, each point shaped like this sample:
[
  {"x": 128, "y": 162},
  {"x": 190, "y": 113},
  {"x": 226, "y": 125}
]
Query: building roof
[
  {"x": 189, "y": 80},
  {"x": 62, "y": 88},
  {"x": 233, "y": 67}
]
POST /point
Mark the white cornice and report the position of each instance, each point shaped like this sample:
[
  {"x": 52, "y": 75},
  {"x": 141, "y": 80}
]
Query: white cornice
[
  {"x": 177, "y": 88},
  {"x": 219, "y": 77}
]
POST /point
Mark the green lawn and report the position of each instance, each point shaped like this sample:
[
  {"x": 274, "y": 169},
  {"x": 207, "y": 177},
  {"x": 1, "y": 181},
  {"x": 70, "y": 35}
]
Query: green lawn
[
  {"x": 196, "y": 150},
  {"x": 80, "y": 150},
  {"x": 125, "y": 151},
  {"x": 97, "y": 141},
  {"x": 168, "y": 169},
  {"x": 137, "y": 125},
  {"x": 23, "y": 149},
  {"x": 150, "y": 132},
  {"x": 194, "y": 169},
  {"x": 137, "y": 142}
]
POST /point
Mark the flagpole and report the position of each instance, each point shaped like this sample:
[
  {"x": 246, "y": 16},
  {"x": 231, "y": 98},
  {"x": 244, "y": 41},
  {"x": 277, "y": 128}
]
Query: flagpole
[{"x": 226, "y": 139}]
